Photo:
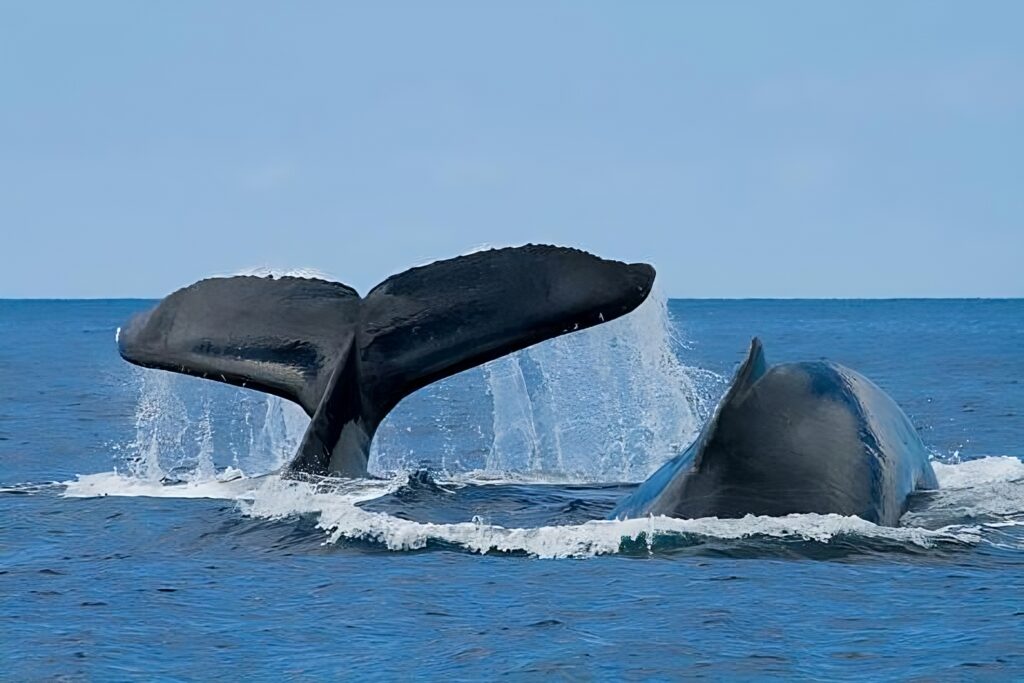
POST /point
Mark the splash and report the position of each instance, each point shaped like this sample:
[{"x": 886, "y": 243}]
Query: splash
[
  {"x": 279, "y": 434},
  {"x": 159, "y": 425},
  {"x": 989, "y": 490},
  {"x": 610, "y": 404},
  {"x": 980, "y": 472},
  {"x": 189, "y": 430}
]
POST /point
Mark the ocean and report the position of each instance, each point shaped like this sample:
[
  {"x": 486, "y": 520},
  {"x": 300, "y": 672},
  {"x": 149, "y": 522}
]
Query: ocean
[{"x": 144, "y": 533}]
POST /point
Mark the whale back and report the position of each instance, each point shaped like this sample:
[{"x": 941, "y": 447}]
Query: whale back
[{"x": 811, "y": 437}]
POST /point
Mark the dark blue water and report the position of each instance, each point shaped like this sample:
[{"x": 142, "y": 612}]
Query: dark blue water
[{"x": 192, "y": 562}]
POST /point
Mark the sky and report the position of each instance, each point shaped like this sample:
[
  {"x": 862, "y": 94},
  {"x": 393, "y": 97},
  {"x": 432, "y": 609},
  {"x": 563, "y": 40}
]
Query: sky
[{"x": 746, "y": 149}]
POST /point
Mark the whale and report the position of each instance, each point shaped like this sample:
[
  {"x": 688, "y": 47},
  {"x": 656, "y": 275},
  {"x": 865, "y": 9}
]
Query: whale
[
  {"x": 806, "y": 437},
  {"x": 348, "y": 360}
]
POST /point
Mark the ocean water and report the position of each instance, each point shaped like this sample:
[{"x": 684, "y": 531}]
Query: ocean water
[{"x": 144, "y": 534}]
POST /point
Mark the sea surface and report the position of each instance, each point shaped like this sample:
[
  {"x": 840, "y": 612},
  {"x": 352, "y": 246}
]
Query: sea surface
[{"x": 144, "y": 533}]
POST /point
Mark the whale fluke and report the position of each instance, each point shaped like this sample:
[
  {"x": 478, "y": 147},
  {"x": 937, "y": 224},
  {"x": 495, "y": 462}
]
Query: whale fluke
[{"x": 348, "y": 360}]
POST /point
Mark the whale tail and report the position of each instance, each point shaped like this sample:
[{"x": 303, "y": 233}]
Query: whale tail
[{"x": 348, "y": 360}]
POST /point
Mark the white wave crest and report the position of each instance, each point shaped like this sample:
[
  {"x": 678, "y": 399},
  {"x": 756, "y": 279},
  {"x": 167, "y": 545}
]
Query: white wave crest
[
  {"x": 227, "y": 485},
  {"x": 988, "y": 489},
  {"x": 973, "y": 473},
  {"x": 336, "y": 504},
  {"x": 342, "y": 518}
]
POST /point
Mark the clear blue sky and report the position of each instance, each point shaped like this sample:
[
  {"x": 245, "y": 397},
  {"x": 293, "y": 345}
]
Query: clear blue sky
[{"x": 746, "y": 149}]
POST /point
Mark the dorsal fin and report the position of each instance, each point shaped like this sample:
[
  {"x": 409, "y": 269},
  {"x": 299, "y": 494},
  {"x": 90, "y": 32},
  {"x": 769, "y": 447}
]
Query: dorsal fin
[
  {"x": 669, "y": 477},
  {"x": 750, "y": 370}
]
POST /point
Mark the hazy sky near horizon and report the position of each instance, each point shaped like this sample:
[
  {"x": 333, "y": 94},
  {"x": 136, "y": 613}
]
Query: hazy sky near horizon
[{"x": 747, "y": 149}]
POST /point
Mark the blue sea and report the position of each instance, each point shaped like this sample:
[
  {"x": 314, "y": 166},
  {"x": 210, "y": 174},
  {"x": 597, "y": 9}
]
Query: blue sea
[{"x": 145, "y": 534}]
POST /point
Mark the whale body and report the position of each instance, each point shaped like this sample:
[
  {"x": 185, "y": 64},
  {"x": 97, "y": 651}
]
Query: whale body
[{"x": 813, "y": 437}]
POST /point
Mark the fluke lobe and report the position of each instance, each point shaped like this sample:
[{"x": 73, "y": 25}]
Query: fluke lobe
[
  {"x": 348, "y": 360},
  {"x": 793, "y": 438}
]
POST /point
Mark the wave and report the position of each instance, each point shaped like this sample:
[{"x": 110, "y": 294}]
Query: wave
[
  {"x": 990, "y": 484},
  {"x": 979, "y": 472},
  {"x": 342, "y": 519},
  {"x": 988, "y": 490},
  {"x": 229, "y": 484}
]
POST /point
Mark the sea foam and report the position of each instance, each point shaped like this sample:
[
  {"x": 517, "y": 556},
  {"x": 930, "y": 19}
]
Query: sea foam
[{"x": 336, "y": 506}]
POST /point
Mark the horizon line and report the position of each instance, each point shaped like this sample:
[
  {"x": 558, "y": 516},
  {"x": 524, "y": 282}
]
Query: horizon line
[{"x": 670, "y": 298}]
